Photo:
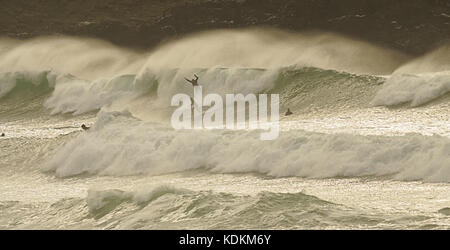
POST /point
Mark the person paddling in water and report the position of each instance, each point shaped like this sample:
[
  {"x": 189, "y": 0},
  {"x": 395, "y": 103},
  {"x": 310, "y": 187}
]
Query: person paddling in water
[
  {"x": 84, "y": 127},
  {"x": 2, "y": 135},
  {"x": 194, "y": 81},
  {"x": 288, "y": 112}
]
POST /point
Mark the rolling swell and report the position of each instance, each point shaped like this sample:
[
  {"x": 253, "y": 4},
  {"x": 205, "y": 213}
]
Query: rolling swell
[
  {"x": 171, "y": 208},
  {"x": 166, "y": 207}
]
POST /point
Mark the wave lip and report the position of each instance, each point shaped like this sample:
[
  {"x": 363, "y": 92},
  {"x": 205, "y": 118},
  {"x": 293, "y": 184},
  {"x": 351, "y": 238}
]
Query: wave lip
[
  {"x": 107, "y": 199},
  {"x": 77, "y": 96},
  {"x": 17, "y": 81}
]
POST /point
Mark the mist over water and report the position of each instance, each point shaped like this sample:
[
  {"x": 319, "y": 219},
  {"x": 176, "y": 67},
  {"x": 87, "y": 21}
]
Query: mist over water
[
  {"x": 269, "y": 48},
  {"x": 247, "y": 48},
  {"x": 220, "y": 56},
  {"x": 365, "y": 117},
  {"x": 437, "y": 60},
  {"x": 83, "y": 57}
]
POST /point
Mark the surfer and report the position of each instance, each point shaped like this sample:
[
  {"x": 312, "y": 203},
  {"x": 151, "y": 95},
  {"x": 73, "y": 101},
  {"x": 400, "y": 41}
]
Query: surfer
[
  {"x": 84, "y": 127},
  {"x": 2, "y": 135},
  {"x": 193, "y": 81},
  {"x": 288, "y": 112},
  {"x": 192, "y": 103}
]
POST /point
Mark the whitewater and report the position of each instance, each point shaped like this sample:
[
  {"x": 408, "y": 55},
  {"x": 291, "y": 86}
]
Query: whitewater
[{"x": 368, "y": 145}]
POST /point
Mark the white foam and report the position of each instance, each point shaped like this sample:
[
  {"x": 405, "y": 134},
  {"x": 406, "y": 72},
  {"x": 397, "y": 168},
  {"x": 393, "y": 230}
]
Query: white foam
[
  {"x": 416, "y": 89},
  {"x": 125, "y": 146},
  {"x": 80, "y": 96}
]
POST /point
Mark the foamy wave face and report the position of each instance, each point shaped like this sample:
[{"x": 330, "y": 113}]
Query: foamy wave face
[
  {"x": 125, "y": 146},
  {"x": 415, "y": 89},
  {"x": 79, "y": 96}
]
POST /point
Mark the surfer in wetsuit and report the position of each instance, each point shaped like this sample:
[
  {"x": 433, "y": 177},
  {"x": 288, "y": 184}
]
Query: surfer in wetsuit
[
  {"x": 193, "y": 81},
  {"x": 2, "y": 135},
  {"x": 84, "y": 127},
  {"x": 288, "y": 112}
]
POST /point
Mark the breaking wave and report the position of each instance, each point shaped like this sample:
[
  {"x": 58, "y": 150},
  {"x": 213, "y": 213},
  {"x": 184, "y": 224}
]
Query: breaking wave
[
  {"x": 88, "y": 74},
  {"x": 122, "y": 145},
  {"x": 146, "y": 93}
]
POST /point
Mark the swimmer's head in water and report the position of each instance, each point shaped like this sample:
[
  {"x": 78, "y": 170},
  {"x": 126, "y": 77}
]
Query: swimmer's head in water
[{"x": 288, "y": 112}]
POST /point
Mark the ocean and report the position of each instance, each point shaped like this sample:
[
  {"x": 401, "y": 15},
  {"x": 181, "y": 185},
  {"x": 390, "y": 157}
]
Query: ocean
[{"x": 367, "y": 146}]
